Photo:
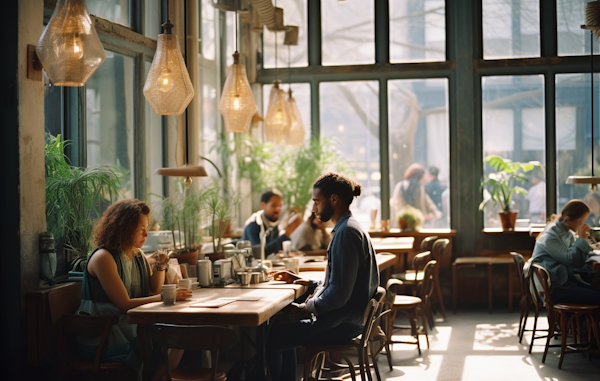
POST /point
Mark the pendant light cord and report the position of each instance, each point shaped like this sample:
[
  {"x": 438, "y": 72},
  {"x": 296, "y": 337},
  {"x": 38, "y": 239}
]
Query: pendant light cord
[
  {"x": 289, "y": 69},
  {"x": 187, "y": 154},
  {"x": 275, "y": 33},
  {"x": 592, "y": 92},
  {"x": 235, "y": 36}
]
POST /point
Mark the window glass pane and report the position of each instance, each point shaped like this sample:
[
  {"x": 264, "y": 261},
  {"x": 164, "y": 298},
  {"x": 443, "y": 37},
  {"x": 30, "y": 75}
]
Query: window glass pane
[
  {"x": 53, "y": 107},
  {"x": 113, "y": 10},
  {"x": 109, "y": 117},
  {"x": 154, "y": 151},
  {"x": 152, "y": 18},
  {"x": 294, "y": 13},
  {"x": 210, "y": 118},
  {"x": 514, "y": 129},
  {"x": 301, "y": 93},
  {"x": 417, "y": 31},
  {"x": 572, "y": 40},
  {"x": 574, "y": 139},
  {"x": 419, "y": 150},
  {"x": 350, "y": 114},
  {"x": 511, "y": 28},
  {"x": 207, "y": 30},
  {"x": 348, "y": 29},
  {"x": 230, "y": 37}
]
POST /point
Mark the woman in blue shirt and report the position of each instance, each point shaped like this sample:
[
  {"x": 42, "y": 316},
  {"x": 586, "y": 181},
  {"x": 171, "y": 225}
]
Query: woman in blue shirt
[{"x": 560, "y": 251}]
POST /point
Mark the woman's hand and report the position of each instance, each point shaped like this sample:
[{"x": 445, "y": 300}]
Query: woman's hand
[
  {"x": 183, "y": 294},
  {"x": 583, "y": 231}
]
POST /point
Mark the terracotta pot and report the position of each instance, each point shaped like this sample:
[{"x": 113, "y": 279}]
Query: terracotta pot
[
  {"x": 190, "y": 258},
  {"x": 508, "y": 220},
  {"x": 214, "y": 256},
  {"x": 403, "y": 223}
]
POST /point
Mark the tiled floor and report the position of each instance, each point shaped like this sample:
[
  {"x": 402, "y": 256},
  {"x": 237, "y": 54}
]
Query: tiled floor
[{"x": 477, "y": 346}]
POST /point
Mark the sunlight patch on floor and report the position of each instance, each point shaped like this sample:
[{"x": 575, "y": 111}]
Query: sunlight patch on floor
[{"x": 495, "y": 337}]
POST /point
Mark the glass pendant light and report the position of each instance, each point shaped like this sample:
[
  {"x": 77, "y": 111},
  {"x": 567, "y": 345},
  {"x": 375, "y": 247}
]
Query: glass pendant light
[
  {"x": 237, "y": 103},
  {"x": 69, "y": 48},
  {"x": 592, "y": 180},
  {"x": 277, "y": 120},
  {"x": 296, "y": 135},
  {"x": 168, "y": 88}
]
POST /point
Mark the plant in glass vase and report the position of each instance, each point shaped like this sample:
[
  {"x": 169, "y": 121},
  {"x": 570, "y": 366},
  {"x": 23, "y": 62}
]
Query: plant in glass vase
[{"x": 500, "y": 186}]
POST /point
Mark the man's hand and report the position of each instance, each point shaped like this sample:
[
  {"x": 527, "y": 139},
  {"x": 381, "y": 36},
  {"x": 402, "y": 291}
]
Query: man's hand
[
  {"x": 290, "y": 278},
  {"x": 291, "y": 226},
  {"x": 295, "y": 309},
  {"x": 583, "y": 231}
]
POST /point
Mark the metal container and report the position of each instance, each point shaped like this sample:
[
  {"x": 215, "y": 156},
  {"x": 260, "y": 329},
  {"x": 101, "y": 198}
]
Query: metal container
[{"x": 256, "y": 276}]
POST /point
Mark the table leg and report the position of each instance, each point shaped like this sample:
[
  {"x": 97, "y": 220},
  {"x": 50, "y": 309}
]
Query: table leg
[
  {"x": 142, "y": 339},
  {"x": 454, "y": 290},
  {"x": 489, "y": 288},
  {"x": 260, "y": 372},
  {"x": 405, "y": 260}
]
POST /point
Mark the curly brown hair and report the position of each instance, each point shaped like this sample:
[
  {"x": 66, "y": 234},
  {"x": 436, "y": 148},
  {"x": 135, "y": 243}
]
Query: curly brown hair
[{"x": 118, "y": 224}]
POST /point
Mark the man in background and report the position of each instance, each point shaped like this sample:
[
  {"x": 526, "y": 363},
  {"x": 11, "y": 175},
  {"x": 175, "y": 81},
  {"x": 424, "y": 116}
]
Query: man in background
[{"x": 262, "y": 228}]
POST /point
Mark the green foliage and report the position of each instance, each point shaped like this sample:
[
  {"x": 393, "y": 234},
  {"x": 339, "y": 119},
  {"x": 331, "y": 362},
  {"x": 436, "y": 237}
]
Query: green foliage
[
  {"x": 220, "y": 208},
  {"x": 413, "y": 216},
  {"x": 72, "y": 194},
  {"x": 501, "y": 185}
]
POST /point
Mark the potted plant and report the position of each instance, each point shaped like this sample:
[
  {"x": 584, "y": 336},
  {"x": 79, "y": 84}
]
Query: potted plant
[
  {"x": 219, "y": 211},
  {"x": 182, "y": 214},
  {"x": 501, "y": 185},
  {"x": 72, "y": 198},
  {"x": 410, "y": 218}
]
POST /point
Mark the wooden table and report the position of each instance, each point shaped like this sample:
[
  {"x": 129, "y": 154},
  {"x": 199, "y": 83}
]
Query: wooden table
[
  {"x": 395, "y": 245},
  {"x": 239, "y": 313},
  {"x": 384, "y": 261}
]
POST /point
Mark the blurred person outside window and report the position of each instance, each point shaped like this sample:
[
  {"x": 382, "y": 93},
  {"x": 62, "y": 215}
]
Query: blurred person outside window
[
  {"x": 411, "y": 192},
  {"x": 537, "y": 199}
]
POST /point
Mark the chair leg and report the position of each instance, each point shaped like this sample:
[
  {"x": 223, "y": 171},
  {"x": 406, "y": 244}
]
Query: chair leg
[
  {"x": 551, "y": 321},
  {"x": 424, "y": 322},
  {"x": 438, "y": 293},
  {"x": 537, "y": 312},
  {"x": 374, "y": 359},
  {"x": 308, "y": 364},
  {"x": 563, "y": 337},
  {"x": 524, "y": 316},
  {"x": 414, "y": 319},
  {"x": 350, "y": 365},
  {"x": 388, "y": 340},
  {"x": 454, "y": 290}
]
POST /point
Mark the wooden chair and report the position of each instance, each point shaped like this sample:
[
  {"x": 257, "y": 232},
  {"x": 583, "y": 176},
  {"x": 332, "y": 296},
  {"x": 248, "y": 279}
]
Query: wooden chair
[
  {"x": 410, "y": 306},
  {"x": 313, "y": 364},
  {"x": 409, "y": 276},
  {"x": 437, "y": 252},
  {"x": 195, "y": 337},
  {"x": 70, "y": 355},
  {"x": 569, "y": 315},
  {"x": 526, "y": 301},
  {"x": 414, "y": 276}
]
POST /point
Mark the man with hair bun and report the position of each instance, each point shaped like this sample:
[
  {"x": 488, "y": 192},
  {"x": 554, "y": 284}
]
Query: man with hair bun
[{"x": 338, "y": 303}]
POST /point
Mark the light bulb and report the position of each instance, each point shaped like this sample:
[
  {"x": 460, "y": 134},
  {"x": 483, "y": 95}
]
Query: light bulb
[
  {"x": 74, "y": 45},
  {"x": 236, "y": 102},
  {"x": 165, "y": 82}
]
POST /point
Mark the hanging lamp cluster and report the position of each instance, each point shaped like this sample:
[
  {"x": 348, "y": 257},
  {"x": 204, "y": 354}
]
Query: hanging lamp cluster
[
  {"x": 296, "y": 134},
  {"x": 69, "y": 48},
  {"x": 237, "y": 103},
  {"x": 277, "y": 120}
]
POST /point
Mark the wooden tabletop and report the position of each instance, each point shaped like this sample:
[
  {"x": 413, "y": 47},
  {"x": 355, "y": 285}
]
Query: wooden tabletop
[
  {"x": 298, "y": 289},
  {"x": 383, "y": 261},
  {"x": 240, "y": 313}
]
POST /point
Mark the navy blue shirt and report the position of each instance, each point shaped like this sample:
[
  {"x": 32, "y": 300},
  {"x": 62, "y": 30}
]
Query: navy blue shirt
[
  {"x": 351, "y": 279},
  {"x": 274, "y": 241}
]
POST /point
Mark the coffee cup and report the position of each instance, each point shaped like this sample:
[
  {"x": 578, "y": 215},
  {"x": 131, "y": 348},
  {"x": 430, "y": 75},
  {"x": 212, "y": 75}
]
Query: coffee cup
[
  {"x": 185, "y": 283},
  {"x": 168, "y": 293},
  {"x": 287, "y": 248}
]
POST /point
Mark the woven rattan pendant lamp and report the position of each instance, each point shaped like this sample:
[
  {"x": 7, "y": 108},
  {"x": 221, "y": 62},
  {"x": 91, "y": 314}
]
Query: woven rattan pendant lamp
[
  {"x": 237, "y": 103},
  {"x": 592, "y": 23},
  {"x": 168, "y": 88},
  {"x": 69, "y": 48},
  {"x": 187, "y": 170}
]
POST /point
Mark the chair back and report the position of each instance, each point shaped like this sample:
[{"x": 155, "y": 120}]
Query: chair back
[
  {"x": 437, "y": 252},
  {"x": 72, "y": 325},
  {"x": 520, "y": 262},
  {"x": 195, "y": 337},
  {"x": 427, "y": 243},
  {"x": 391, "y": 290},
  {"x": 369, "y": 320},
  {"x": 427, "y": 286},
  {"x": 420, "y": 259},
  {"x": 541, "y": 285}
]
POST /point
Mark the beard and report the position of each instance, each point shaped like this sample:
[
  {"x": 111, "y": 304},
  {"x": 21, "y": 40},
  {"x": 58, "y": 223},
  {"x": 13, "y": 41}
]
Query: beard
[{"x": 327, "y": 212}]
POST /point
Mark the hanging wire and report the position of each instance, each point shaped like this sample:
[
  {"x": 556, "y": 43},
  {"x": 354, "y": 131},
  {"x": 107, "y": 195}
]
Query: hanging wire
[
  {"x": 592, "y": 92},
  {"x": 275, "y": 33},
  {"x": 289, "y": 69},
  {"x": 235, "y": 35}
]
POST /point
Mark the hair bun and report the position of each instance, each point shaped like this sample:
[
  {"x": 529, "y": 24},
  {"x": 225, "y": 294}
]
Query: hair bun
[{"x": 357, "y": 190}]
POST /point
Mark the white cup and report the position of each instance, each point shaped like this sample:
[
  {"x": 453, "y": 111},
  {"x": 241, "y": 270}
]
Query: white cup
[
  {"x": 168, "y": 293},
  {"x": 287, "y": 248},
  {"x": 194, "y": 281},
  {"x": 292, "y": 264},
  {"x": 185, "y": 283},
  {"x": 204, "y": 272}
]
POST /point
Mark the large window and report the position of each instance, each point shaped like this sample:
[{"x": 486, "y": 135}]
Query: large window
[
  {"x": 514, "y": 129},
  {"x": 417, "y": 31},
  {"x": 350, "y": 114},
  {"x": 572, "y": 40},
  {"x": 113, "y": 10},
  {"x": 154, "y": 148},
  {"x": 419, "y": 150},
  {"x": 574, "y": 139},
  {"x": 348, "y": 32},
  {"x": 511, "y": 28},
  {"x": 109, "y": 117}
]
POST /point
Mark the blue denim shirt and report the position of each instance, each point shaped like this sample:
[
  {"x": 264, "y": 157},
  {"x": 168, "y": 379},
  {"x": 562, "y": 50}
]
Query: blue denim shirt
[
  {"x": 559, "y": 252},
  {"x": 351, "y": 279}
]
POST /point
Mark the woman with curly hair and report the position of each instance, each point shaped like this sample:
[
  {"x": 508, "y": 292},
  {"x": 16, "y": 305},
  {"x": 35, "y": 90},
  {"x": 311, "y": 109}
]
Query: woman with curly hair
[{"x": 118, "y": 277}]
